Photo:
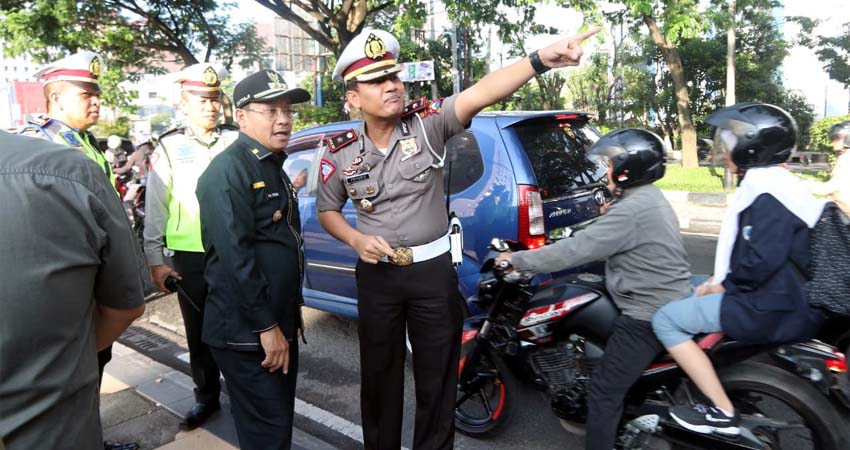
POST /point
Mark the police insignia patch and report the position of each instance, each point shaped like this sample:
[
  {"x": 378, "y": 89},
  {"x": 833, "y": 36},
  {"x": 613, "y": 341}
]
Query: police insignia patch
[
  {"x": 375, "y": 48},
  {"x": 210, "y": 77},
  {"x": 327, "y": 169},
  {"x": 94, "y": 67}
]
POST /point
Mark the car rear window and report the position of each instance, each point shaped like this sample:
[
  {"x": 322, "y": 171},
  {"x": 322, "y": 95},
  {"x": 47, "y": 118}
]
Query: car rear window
[{"x": 556, "y": 148}]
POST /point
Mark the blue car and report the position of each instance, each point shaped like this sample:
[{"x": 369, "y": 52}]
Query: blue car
[{"x": 517, "y": 175}]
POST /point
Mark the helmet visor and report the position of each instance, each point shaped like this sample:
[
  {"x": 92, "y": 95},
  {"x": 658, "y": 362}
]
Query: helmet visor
[{"x": 724, "y": 141}]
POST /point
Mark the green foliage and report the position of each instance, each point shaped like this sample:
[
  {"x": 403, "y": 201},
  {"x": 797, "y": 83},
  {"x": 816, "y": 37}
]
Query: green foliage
[
  {"x": 690, "y": 180},
  {"x": 832, "y": 51},
  {"x": 119, "y": 127},
  {"x": 331, "y": 110},
  {"x": 130, "y": 36},
  {"x": 819, "y": 136}
]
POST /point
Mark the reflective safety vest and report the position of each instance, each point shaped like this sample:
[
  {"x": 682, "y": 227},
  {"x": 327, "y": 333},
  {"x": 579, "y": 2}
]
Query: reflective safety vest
[
  {"x": 61, "y": 133},
  {"x": 178, "y": 162}
]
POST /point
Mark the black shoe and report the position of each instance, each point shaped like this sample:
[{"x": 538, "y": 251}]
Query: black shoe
[
  {"x": 119, "y": 446},
  {"x": 198, "y": 415},
  {"x": 706, "y": 419}
]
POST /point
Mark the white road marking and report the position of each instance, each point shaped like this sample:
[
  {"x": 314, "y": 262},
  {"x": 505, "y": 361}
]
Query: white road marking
[{"x": 330, "y": 420}]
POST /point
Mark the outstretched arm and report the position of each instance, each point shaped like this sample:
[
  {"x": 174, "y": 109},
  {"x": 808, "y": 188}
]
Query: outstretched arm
[{"x": 504, "y": 82}]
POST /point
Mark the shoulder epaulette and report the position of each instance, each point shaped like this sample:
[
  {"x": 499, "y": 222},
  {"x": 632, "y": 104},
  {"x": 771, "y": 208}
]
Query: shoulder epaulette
[
  {"x": 39, "y": 120},
  {"x": 415, "y": 106},
  {"x": 340, "y": 140},
  {"x": 176, "y": 130}
]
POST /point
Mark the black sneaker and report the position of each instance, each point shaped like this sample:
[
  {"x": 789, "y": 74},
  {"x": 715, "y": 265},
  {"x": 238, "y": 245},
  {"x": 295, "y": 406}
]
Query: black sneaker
[{"x": 706, "y": 419}]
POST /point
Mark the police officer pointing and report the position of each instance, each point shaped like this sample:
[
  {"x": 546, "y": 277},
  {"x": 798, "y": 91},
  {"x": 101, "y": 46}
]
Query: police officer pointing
[
  {"x": 172, "y": 218},
  {"x": 391, "y": 169}
]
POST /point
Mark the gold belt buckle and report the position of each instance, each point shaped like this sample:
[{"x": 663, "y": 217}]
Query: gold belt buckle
[{"x": 403, "y": 256}]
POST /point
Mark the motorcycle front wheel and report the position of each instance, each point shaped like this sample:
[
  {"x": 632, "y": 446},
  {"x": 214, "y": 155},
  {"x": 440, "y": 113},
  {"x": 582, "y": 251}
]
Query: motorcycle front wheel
[{"x": 484, "y": 406}]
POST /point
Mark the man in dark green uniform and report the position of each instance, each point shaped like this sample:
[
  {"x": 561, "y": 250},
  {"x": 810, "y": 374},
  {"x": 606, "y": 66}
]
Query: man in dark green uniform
[
  {"x": 73, "y": 106},
  {"x": 251, "y": 232}
]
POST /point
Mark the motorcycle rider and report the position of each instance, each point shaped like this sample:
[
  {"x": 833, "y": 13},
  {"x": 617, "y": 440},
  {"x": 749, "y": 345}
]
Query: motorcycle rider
[
  {"x": 756, "y": 294},
  {"x": 646, "y": 267}
]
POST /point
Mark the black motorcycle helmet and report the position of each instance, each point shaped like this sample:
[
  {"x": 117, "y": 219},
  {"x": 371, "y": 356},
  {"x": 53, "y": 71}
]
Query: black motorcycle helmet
[
  {"x": 637, "y": 156},
  {"x": 754, "y": 134},
  {"x": 841, "y": 130}
]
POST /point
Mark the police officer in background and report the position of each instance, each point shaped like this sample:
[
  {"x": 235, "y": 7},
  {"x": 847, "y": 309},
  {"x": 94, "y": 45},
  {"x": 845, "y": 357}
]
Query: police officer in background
[
  {"x": 391, "y": 169},
  {"x": 72, "y": 92},
  {"x": 251, "y": 232},
  {"x": 73, "y": 105},
  {"x": 172, "y": 219}
]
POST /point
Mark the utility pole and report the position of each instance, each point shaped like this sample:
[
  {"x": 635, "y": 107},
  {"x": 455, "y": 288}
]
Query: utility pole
[
  {"x": 434, "y": 93},
  {"x": 728, "y": 176},
  {"x": 455, "y": 75}
]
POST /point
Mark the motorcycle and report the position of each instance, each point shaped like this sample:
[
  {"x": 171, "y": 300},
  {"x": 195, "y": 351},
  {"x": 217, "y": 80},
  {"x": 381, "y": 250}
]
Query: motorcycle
[{"x": 552, "y": 336}]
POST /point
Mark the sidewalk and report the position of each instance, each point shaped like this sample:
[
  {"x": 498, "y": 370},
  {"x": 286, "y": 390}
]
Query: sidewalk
[
  {"x": 142, "y": 401},
  {"x": 698, "y": 212}
]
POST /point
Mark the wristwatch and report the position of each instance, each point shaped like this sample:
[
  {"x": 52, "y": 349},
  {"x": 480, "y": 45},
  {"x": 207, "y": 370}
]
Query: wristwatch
[{"x": 536, "y": 63}]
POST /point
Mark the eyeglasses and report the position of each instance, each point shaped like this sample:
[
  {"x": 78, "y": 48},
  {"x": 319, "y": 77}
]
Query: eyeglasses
[{"x": 272, "y": 113}]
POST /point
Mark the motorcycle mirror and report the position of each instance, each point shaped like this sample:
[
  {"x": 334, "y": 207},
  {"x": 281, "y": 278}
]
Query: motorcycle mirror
[{"x": 499, "y": 245}]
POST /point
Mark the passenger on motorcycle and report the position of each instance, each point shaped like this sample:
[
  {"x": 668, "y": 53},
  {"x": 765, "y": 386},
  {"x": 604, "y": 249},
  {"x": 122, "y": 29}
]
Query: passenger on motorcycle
[
  {"x": 756, "y": 294},
  {"x": 646, "y": 267}
]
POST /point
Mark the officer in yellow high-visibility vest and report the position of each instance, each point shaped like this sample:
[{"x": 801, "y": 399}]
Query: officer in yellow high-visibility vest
[
  {"x": 73, "y": 105},
  {"x": 72, "y": 92},
  {"x": 172, "y": 220}
]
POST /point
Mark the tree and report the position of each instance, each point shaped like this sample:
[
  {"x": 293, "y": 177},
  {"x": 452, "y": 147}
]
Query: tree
[
  {"x": 833, "y": 51},
  {"x": 132, "y": 35},
  {"x": 334, "y": 23},
  {"x": 679, "y": 19}
]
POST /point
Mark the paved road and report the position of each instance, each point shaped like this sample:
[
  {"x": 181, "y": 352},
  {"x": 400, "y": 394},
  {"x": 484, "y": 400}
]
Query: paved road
[{"x": 329, "y": 379}]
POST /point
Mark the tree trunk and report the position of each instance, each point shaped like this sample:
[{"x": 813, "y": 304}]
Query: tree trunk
[
  {"x": 728, "y": 176},
  {"x": 683, "y": 107}
]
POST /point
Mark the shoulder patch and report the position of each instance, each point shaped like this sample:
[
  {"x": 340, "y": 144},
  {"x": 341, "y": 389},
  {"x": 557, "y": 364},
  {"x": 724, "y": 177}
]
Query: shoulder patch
[
  {"x": 340, "y": 140},
  {"x": 415, "y": 106},
  {"x": 327, "y": 168}
]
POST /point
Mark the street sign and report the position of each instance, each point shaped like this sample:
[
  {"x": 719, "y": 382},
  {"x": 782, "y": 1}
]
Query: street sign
[{"x": 417, "y": 71}]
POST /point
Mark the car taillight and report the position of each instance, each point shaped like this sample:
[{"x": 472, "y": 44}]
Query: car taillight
[
  {"x": 532, "y": 233},
  {"x": 837, "y": 365}
]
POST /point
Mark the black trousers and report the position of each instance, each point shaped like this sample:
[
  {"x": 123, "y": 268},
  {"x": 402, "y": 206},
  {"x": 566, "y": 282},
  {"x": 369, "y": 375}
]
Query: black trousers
[
  {"x": 630, "y": 350},
  {"x": 205, "y": 371},
  {"x": 262, "y": 403},
  {"x": 423, "y": 297}
]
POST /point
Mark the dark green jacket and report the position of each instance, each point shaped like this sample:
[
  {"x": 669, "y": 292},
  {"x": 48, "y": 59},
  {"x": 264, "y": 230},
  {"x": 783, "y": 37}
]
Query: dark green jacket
[{"x": 251, "y": 231}]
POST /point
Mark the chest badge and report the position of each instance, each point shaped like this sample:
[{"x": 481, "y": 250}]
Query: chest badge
[
  {"x": 277, "y": 216},
  {"x": 370, "y": 190},
  {"x": 356, "y": 161},
  {"x": 408, "y": 148},
  {"x": 367, "y": 205},
  {"x": 348, "y": 171}
]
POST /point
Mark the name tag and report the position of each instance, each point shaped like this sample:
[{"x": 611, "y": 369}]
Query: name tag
[
  {"x": 259, "y": 185},
  {"x": 273, "y": 195},
  {"x": 356, "y": 178}
]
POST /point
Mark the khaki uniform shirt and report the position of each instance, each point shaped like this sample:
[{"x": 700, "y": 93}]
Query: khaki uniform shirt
[{"x": 399, "y": 196}]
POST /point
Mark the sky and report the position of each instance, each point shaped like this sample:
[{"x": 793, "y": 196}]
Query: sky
[{"x": 802, "y": 71}]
